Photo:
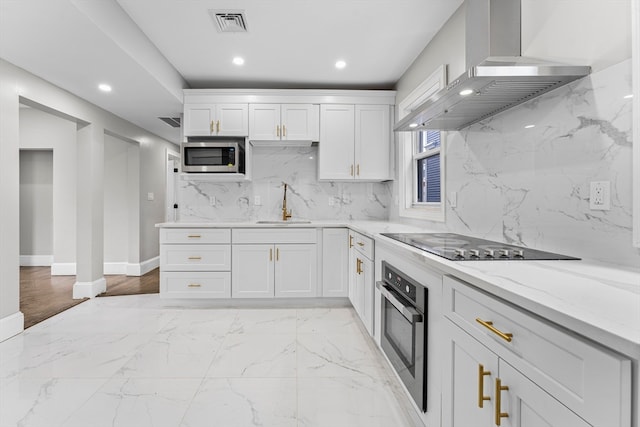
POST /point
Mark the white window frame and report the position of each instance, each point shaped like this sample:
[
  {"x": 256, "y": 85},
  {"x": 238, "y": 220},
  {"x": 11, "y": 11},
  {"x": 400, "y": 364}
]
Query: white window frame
[{"x": 407, "y": 173}]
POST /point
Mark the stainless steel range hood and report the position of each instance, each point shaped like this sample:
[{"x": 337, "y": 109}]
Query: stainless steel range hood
[{"x": 497, "y": 77}]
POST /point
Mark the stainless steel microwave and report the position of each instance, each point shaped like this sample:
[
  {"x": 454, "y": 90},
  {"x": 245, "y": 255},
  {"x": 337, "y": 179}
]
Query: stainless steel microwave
[{"x": 213, "y": 157}]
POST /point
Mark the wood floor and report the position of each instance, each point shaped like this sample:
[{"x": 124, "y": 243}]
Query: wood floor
[{"x": 43, "y": 295}]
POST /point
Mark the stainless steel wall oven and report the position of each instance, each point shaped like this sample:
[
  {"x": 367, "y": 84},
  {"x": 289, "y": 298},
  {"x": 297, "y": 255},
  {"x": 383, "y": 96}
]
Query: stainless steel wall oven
[{"x": 404, "y": 330}]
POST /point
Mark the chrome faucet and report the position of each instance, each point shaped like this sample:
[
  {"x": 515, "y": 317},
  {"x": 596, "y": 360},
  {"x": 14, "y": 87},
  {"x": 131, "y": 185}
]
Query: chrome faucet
[{"x": 285, "y": 215}]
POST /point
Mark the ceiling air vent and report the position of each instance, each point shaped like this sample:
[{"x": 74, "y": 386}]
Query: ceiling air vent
[
  {"x": 174, "y": 122},
  {"x": 229, "y": 21}
]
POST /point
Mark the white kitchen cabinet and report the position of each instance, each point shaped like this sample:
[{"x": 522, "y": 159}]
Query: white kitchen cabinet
[
  {"x": 195, "y": 263},
  {"x": 335, "y": 262},
  {"x": 216, "y": 120},
  {"x": 355, "y": 143},
  {"x": 269, "y": 263},
  {"x": 361, "y": 278},
  {"x": 283, "y": 122},
  {"x": 553, "y": 378}
]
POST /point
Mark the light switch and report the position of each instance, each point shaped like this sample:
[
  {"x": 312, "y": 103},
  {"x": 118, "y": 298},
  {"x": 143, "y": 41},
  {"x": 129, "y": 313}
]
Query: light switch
[
  {"x": 257, "y": 201},
  {"x": 150, "y": 197}
]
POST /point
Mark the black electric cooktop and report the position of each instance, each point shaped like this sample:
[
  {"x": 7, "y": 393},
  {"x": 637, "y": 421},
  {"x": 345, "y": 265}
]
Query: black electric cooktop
[{"x": 456, "y": 247}]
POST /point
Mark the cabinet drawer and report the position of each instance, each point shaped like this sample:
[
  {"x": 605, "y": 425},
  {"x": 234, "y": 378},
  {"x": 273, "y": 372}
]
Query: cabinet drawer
[
  {"x": 272, "y": 235},
  {"x": 195, "y": 235},
  {"x": 207, "y": 284},
  {"x": 195, "y": 257},
  {"x": 591, "y": 380},
  {"x": 363, "y": 244}
]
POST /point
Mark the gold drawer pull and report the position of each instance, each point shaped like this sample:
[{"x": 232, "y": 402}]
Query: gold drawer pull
[
  {"x": 481, "y": 396},
  {"x": 359, "y": 266},
  {"x": 194, "y": 285},
  {"x": 194, "y": 236},
  {"x": 350, "y": 242},
  {"x": 489, "y": 325},
  {"x": 499, "y": 389},
  {"x": 360, "y": 244},
  {"x": 196, "y": 258}
]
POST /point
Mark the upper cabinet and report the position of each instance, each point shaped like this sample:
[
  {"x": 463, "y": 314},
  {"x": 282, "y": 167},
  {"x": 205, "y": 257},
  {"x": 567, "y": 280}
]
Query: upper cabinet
[
  {"x": 283, "y": 122},
  {"x": 216, "y": 120},
  {"x": 355, "y": 142}
]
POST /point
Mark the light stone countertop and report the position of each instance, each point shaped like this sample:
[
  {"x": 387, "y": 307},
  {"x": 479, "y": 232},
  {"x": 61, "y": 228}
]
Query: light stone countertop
[{"x": 596, "y": 300}]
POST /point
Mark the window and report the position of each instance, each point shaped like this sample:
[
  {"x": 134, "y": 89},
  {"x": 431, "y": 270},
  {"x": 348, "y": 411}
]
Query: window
[{"x": 421, "y": 156}]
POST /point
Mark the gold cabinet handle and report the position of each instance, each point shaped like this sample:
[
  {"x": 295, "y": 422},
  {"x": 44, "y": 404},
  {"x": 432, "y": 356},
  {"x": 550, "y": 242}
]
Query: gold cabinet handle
[
  {"x": 277, "y": 254},
  {"x": 270, "y": 254},
  {"x": 196, "y": 258},
  {"x": 350, "y": 241},
  {"x": 481, "y": 396},
  {"x": 360, "y": 244},
  {"x": 211, "y": 127},
  {"x": 351, "y": 170},
  {"x": 278, "y": 130},
  {"x": 284, "y": 130},
  {"x": 358, "y": 169},
  {"x": 358, "y": 266},
  {"x": 194, "y": 236},
  {"x": 499, "y": 389},
  {"x": 218, "y": 126},
  {"x": 194, "y": 285},
  {"x": 489, "y": 325}
]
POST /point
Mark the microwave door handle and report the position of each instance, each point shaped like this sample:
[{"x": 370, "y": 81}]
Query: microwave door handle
[{"x": 409, "y": 313}]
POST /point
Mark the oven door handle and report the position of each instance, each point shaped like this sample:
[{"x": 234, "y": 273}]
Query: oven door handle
[{"x": 409, "y": 313}]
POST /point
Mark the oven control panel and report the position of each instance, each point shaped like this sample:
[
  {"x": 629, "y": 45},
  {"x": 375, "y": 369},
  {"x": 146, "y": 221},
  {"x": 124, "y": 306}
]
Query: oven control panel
[{"x": 399, "y": 282}]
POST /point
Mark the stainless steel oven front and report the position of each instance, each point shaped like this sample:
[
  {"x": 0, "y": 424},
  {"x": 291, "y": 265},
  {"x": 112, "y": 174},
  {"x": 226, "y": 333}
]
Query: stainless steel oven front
[{"x": 404, "y": 331}]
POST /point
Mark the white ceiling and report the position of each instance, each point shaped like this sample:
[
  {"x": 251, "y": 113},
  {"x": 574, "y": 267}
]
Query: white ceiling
[{"x": 149, "y": 50}]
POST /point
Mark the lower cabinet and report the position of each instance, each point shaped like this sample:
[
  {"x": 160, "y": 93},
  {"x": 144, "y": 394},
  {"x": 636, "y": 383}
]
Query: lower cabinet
[
  {"x": 267, "y": 270},
  {"x": 361, "y": 277},
  {"x": 505, "y": 367},
  {"x": 335, "y": 262}
]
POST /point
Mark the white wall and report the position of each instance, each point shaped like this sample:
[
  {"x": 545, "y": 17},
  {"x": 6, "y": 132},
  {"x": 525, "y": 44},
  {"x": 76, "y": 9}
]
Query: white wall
[
  {"x": 40, "y": 130},
  {"x": 116, "y": 201},
  {"x": 36, "y": 204},
  {"x": 16, "y": 86}
]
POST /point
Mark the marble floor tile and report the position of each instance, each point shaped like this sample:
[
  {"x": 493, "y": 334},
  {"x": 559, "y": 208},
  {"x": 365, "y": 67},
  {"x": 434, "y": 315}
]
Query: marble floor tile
[
  {"x": 250, "y": 355},
  {"x": 244, "y": 402},
  {"x": 136, "y": 402},
  {"x": 140, "y": 361},
  {"x": 43, "y": 402}
]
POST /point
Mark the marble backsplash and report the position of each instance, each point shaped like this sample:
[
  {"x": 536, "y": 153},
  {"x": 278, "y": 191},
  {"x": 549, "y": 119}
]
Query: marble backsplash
[
  {"x": 530, "y": 186},
  {"x": 306, "y": 196}
]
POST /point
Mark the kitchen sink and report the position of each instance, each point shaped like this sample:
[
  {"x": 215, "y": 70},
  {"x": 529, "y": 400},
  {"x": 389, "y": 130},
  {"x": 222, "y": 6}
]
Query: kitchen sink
[{"x": 281, "y": 222}]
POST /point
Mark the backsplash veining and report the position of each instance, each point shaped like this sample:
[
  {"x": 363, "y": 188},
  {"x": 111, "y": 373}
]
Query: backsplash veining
[
  {"x": 306, "y": 197},
  {"x": 530, "y": 186}
]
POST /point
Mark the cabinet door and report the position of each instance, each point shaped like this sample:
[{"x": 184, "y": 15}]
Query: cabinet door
[
  {"x": 264, "y": 122},
  {"x": 198, "y": 119},
  {"x": 335, "y": 262},
  {"x": 296, "y": 273},
  {"x": 252, "y": 271},
  {"x": 527, "y": 405},
  {"x": 462, "y": 380},
  {"x": 367, "y": 286},
  {"x": 335, "y": 150},
  {"x": 298, "y": 122},
  {"x": 372, "y": 142},
  {"x": 232, "y": 119}
]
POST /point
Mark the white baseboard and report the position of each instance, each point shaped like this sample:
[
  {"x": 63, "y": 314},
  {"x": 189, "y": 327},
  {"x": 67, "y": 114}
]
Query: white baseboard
[
  {"x": 11, "y": 325},
  {"x": 36, "y": 260},
  {"x": 89, "y": 289},
  {"x": 116, "y": 268},
  {"x": 148, "y": 265},
  {"x": 63, "y": 269}
]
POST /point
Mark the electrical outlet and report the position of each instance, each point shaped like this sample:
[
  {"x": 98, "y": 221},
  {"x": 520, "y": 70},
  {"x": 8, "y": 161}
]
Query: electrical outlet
[
  {"x": 257, "y": 201},
  {"x": 332, "y": 201},
  {"x": 150, "y": 197},
  {"x": 600, "y": 196},
  {"x": 212, "y": 200}
]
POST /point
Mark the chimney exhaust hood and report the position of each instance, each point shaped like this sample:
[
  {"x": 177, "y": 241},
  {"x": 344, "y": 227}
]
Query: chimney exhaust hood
[{"x": 497, "y": 77}]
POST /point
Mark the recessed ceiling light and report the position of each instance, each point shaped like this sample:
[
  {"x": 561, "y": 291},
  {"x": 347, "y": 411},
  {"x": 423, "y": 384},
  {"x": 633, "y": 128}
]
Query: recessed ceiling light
[
  {"x": 628, "y": 96},
  {"x": 529, "y": 126},
  {"x": 238, "y": 60},
  {"x": 466, "y": 92},
  {"x": 340, "y": 64},
  {"x": 104, "y": 87},
  {"x": 413, "y": 125}
]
